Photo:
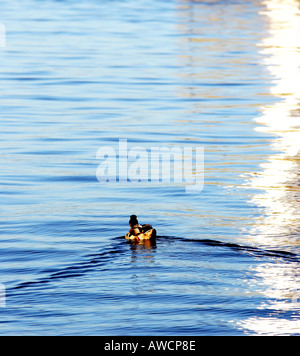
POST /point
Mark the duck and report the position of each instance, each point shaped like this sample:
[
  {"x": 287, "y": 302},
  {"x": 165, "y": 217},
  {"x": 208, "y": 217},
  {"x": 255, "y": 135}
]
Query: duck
[{"x": 139, "y": 232}]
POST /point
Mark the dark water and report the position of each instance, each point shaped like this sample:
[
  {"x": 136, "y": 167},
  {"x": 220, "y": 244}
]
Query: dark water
[{"x": 78, "y": 75}]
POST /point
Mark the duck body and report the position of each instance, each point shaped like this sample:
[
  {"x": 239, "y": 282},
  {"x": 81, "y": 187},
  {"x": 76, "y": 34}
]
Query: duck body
[{"x": 139, "y": 232}]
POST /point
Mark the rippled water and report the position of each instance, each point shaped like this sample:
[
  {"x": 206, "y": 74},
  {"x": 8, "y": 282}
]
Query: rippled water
[{"x": 78, "y": 75}]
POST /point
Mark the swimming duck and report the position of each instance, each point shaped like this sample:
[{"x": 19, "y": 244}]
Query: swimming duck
[{"x": 139, "y": 232}]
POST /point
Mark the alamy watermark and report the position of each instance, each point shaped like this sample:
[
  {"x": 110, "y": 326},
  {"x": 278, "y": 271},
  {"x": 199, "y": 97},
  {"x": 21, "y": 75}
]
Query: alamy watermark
[
  {"x": 296, "y": 296},
  {"x": 2, "y": 35},
  {"x": 159, "y": 164},
  {"x": 2, "y": 296}
]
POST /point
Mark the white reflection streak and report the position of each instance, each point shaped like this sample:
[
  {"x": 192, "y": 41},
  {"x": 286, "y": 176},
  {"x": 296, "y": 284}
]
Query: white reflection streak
[{"x": 279, "y": 178}]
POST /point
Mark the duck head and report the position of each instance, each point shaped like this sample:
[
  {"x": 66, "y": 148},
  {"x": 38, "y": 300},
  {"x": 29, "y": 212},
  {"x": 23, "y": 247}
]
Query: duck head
[{"x": 133, "y": 220}]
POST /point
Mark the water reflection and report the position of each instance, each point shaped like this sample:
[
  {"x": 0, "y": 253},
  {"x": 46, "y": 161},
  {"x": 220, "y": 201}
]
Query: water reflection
[
  {"x": 143, "y": 251},
  {"x": 216, "y": 88},
  {"x": 219, "y": 84},
  {"x": 143, "y": 255},
  {"x": 278, "y": 180}
]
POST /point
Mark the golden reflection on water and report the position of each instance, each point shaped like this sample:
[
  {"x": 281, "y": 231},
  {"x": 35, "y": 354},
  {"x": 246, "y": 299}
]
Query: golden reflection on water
[
  {"x": 208, "y": 41},
  {"x": 278, "y": 179}
]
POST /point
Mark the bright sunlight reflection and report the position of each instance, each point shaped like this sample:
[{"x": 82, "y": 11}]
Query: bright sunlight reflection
[{"x": 278, "y": 179}]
